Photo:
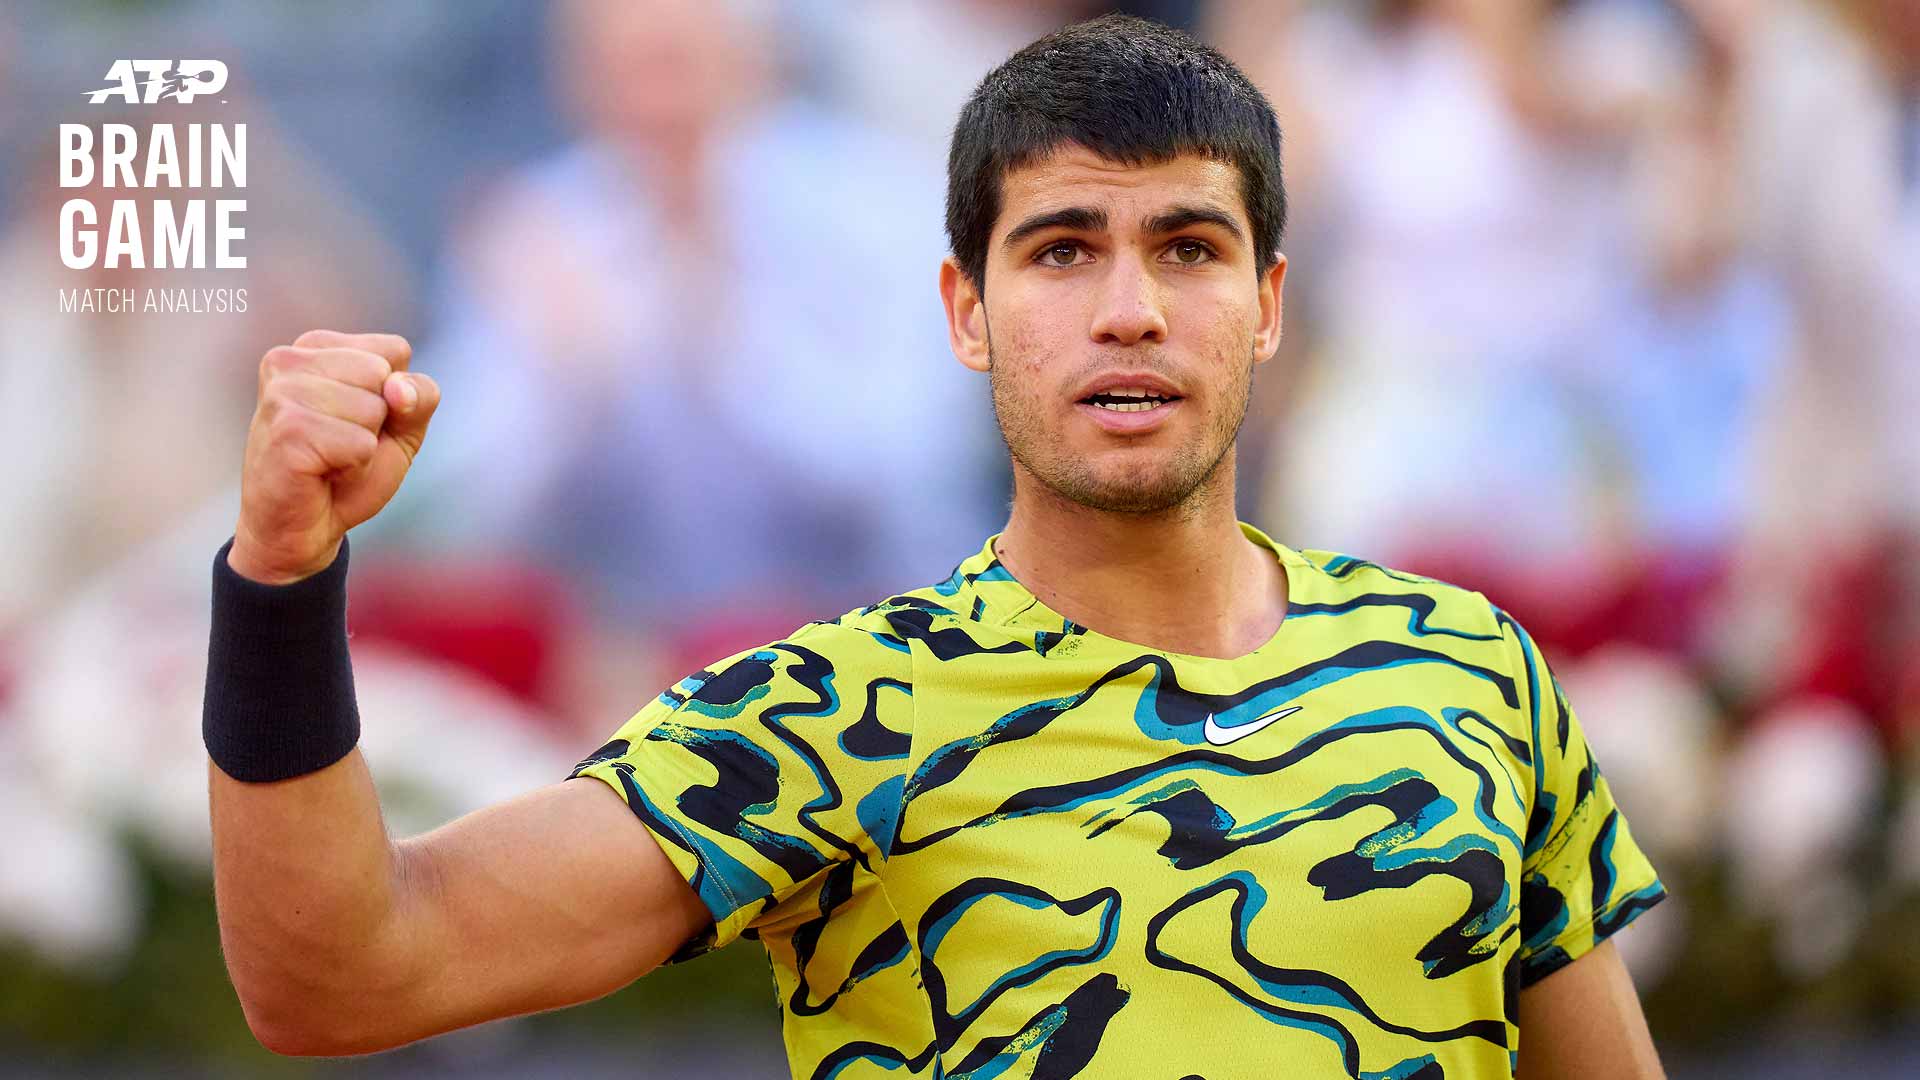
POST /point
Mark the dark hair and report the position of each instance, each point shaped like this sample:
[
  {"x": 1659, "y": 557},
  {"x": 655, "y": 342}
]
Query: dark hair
[{"x": 1130, "y": 90}]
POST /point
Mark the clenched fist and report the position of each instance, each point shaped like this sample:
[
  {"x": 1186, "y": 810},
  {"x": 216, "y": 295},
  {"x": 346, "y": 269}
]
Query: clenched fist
[{"x": 338, "y": 422}]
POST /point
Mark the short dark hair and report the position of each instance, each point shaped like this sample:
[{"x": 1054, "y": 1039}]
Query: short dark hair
[{"x": 1130, "y": 90}]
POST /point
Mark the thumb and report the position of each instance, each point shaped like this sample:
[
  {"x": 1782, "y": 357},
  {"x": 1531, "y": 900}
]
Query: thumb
[{"x": 411, "y": 401}]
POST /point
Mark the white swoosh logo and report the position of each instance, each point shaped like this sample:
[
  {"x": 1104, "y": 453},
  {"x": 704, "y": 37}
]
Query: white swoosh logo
[{"x": 1221, "y": 736}]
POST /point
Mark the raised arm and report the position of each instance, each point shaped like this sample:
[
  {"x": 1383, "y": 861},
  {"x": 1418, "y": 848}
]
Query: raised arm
[
  {"x": 339, "y": 940},
  {"x": 342, "y": 942}
]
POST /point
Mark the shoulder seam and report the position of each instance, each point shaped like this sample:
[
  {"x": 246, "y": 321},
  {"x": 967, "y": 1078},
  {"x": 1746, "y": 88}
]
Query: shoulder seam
[{"x": 1524, "y": 674}]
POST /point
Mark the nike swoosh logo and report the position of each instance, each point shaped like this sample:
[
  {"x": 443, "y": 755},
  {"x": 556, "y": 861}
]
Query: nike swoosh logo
[{"x": 1221, "y": 736}]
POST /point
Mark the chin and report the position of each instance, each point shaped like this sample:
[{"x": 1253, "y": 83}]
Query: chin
[{"x": 1131, "y": 493}]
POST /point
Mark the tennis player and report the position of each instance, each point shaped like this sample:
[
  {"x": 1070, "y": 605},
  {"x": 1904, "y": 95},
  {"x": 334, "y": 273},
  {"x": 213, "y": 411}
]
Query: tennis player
[{"x": 1136, "y": 792}]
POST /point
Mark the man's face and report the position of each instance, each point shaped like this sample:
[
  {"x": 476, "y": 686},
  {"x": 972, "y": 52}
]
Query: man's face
[{"x": 1105, "y": 280}]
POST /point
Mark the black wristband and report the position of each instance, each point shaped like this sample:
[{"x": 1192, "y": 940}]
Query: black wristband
[{"x": 279, "y": 700}]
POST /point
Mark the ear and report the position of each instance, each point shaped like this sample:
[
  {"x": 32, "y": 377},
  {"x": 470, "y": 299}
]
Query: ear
[
  {"x": 1266, "y": 333},
  {"x": 966, "y": 315}
]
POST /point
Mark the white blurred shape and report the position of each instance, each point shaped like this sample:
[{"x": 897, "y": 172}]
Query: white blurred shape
[
  {"x": 65, "y": 889},
  {"x": 1803, "y": 786},
  {"x": 1653, "y": 730}
]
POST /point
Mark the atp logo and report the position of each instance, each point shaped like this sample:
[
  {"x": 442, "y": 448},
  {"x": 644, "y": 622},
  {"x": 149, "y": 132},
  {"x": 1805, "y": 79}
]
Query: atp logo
[{"x": 165, "y": 80}]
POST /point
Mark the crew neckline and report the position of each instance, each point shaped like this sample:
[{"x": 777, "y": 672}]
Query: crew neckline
[{"x": 1007, "y": 600}]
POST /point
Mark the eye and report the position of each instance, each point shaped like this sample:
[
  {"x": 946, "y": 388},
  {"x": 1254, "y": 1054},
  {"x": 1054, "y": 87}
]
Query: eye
[
  {"x": 1064, "y": 253},
  {"x": 1191, "y": 252}
]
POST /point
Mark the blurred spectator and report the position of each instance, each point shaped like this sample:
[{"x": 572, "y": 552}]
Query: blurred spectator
[
  {"x": 1829, "y": 129},
  {"x": 1827, "y": 100},
  {"x": 1523, "y": 373},
  {"x": 908, "y": 65},
  {"x": 1453, "y": 293},
  {"x": 697, "y": 357}
]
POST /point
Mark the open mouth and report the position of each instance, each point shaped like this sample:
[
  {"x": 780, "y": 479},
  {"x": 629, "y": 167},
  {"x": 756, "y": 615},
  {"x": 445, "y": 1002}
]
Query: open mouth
[{"x": 1128, "y": 400}]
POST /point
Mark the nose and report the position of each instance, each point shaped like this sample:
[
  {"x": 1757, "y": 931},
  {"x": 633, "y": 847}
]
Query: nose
[{"x": 1128, "y": 308}]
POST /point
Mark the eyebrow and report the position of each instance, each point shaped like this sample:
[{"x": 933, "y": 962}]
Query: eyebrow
[
  {"x": 1092, "y": 219},
  {"x": 1186, "y": 217},
  {"x": 1077, "y": 218}
]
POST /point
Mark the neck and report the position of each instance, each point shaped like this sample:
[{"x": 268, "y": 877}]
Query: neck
[
  {"x": 672, "y": 167},
  {"x": 1184, "y": 579}
]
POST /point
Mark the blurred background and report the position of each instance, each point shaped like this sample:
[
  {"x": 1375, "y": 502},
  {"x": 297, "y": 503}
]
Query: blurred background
[{"x": 1607, "y": 308}]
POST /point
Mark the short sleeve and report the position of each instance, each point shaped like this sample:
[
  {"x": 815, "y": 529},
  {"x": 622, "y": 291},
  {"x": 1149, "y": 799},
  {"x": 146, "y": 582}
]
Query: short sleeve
[
  {"x": 1582, "y": 875},
  {"x": 759, "y": 772}
]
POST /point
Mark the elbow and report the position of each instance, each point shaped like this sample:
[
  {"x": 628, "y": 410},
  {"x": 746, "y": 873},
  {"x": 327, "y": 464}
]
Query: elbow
[
  {"x": 297, "y": 1036},
  {"x": 307, "y": 1025},
  {"x": 300, "y": 1000},
  {"x": 303, "y": 1037},
  {"x": 291, "y": 1040},
  {"x": 289, "y": 1036}
]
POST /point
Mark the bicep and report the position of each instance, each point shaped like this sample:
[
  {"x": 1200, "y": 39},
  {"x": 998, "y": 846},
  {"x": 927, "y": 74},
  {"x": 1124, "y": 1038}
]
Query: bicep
[
  {"x": 1584, "y": 1020},
  {"x": 554, "y": 898}
]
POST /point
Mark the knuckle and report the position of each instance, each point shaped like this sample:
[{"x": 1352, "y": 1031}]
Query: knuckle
[
  {"x": 314, "y": 339},
  {"x": 281, "y": 413},
  {"x": 392, "y": 347},
  {"x": 357, "y": 368},
  {"x": 282, "y": 359},
  {"x": 361, "y": 445},
  {"x": 287, "y": 422}
]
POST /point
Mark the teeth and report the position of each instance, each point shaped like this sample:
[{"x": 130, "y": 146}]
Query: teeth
[{"x": 1137, "y": 406}]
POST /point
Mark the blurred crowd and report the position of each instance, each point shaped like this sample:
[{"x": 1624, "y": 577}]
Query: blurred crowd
[{"x": 1607, "y": 308}]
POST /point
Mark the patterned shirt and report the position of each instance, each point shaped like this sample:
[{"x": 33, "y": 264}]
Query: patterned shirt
[{"x": 979, "y": 840}]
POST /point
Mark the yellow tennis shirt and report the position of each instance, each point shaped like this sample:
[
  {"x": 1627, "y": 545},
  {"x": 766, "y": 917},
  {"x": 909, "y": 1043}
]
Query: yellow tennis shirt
[{"x": 978, "y": 840}]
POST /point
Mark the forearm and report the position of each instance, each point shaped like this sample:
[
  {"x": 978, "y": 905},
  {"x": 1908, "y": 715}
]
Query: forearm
[{"x": 308, "y": 887}]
